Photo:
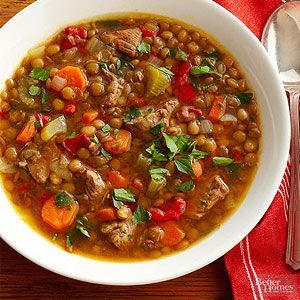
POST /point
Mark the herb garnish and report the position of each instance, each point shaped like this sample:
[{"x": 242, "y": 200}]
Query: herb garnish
[
  {"x": 140, "y": 215},
  {"x": 166, "y": 71},
  {"x": 233, "y": 169},
  {"x": 157, "y": 173},
  {"x": 133, "y": 113},
  {"x": 44, "y": 95},
  {"x": 205, "y": 68},
  {"x": 54, "y": 237},
  {"x": 64, "y": 199},
  {"x": 104, "y": 66},
  {"x": 222, "y": 161},
  {"x": 34, "y": 90},
  {"x": 121, "y": 195},
  {"x": 245, "y": 98},
  {"x": 156, "y": 129},
  {"x": 39, "y": 74},
  {"x": 186, "y": 186},
  {"x": 72, "y": 135},
  {"x": 215, "y": 55},
  {"x": 116, "y": 132},
  {"x": 143, "y": 47}
]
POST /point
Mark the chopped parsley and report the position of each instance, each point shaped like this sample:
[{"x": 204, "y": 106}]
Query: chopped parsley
[
  {"x": 215, "y": 55},
  {"x": 184, "y": 164},
  {"x": 133, "y": 113},
  {"x": 123, "y": 195},
  {"x": 156, "y": 129},
  {"x": 156, "y": 150},
  {"x": 222, "y": 161},
  {"x": 64, "y": 199},
  {"x": 157, "y": 173},
  {"x": 140, "y": 215},
  {"x": 245, "y": 98},
  {"x": 143, "y": 47},
  {"x": 116, "y": 131},
  {"x": 103, "y": 65},
  {"x": 54, "y": 237},
  {"x": 39, "y": 74},
  {"x": 166, "y": 71},
  {"x": 72, "y": 135},
  {"x": 233, "y": 169},
  {"x": 205, "y": 68},
  {"x": 181, "y": 55},
  {"x": 186, "y": 186},
  {"x": 44, "y": 95}
]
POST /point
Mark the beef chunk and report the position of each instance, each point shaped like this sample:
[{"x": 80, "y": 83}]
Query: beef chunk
[
  {"x": 161, "y": 114},
  {"x": 115, "y": 86},
  {"x": 216, "y": 192},
  {"x": 38, "y": 166},
  {"x": 151, "y": 237},
  {"x": 95, "y": 187},
  {"x": 120, "y": 233},
  {"x": 125, "y": 40}
]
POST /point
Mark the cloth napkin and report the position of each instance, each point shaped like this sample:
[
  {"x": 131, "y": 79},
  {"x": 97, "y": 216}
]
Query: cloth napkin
[{"x": 256, "y": 266}]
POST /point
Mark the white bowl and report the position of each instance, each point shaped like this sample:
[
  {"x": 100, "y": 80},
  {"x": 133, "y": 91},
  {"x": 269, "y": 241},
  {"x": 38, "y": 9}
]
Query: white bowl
[{"x": 42, "y": 19}]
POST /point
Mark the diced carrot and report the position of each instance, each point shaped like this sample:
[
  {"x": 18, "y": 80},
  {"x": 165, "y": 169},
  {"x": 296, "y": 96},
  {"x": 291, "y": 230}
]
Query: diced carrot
[
  {"x": 117, "y": 179},
  {"x": 173, "y": 234},
  {"x": 74, "y": 76},
  {"x": 59, "y": 218},
  {"x": 107, "y": 214},
  {"x": 89, "y": 116},
  {"x": 197, "y": 167},
  {"x": 218, "y": 109},
  {"x": 27, "y": 132},
  {"x": 118, "y": 144}
]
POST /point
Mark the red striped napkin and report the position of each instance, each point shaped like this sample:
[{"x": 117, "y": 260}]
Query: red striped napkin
[{"x": 256, "y": 266}]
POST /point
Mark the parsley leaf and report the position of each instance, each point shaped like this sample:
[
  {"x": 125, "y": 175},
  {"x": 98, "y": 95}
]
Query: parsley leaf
[
  {"x": 166, "y": 71},
  {"x": 186, "y": 186},
  {"x": 140, "y": 215},
  {"x": 195, "y": 81},
  {"x": 39, "y": 74},
  {"x": 156, "y": 150},
  {"x": 133, "y": 113},
  {"x": 245, "y": 98},
  {"x": 63, "y": 199},
  {"x": 105, "y": 154},
  {"x": 37, "y": 124},
  {"x": 69, "y": 240},
  {"x": 123, "y": 195},
  {"x": 44, "y": 95},
  {"x": 215, "y": 55},
  {"x": 106, "y": 128},
  {"x": 171, "y": 142},
  {"x": 172, "y": 52},
  {"x": 143, "y": 47},
  {"x": 222, "y": 161},
  {"x": 233, "y": 169},
  {"x": 83, "y": 230},
  {"x": 104, "y": 66},
  {"x": 156, "y": 173},
  {"x": 184, "y": 164},
  {"x": 205, "y": 68},
  {"x": 181, "y": 55},
  {"x": 156, "y": 129},
  {"x": 34, "y": 90}
]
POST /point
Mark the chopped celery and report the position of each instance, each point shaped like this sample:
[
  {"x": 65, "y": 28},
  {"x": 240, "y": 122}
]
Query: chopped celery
[
  {"x": 156, "y": 185},
  {"x": 142, "y": 163},
  {"x": 157, "y": 81},
  {"x": 54, "y": 127}
]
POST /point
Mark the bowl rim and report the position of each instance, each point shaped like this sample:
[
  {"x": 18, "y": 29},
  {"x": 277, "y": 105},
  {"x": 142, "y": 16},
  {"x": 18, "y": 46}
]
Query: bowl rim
[{"x": 215, "y": 254}]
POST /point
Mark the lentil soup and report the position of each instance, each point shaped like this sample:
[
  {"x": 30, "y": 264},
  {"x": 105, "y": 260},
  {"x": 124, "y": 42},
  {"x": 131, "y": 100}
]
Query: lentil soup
[{"x": 128, "y": 138}]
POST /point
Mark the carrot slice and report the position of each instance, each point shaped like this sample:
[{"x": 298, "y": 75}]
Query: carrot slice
[
  {"x": 218, "y": 109},
  {"x": 89, "y": 116},
  {"x": 117, "y": 179},
  {"x": 197, "y": 167},
  {"x": 59, "y": 218},
  {"x": 118, "y": 144},
  {"x": 173, "y": 234},
  {"x": 74, "y": 76},
  {"x": 107, "y": 214},
  {"x": 27, "y": 132}
]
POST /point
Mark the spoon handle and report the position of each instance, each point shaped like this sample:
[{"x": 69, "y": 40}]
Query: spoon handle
[{"x": 293, "y": 240}]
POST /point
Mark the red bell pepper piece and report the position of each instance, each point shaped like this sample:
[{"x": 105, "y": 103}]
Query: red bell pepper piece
[
  {"x": 42, "y": 119},
  {"x": 168, "y": 213},
  {"x": 236, "y": 153},
  {"x": 74, "y": 144},
  {"x": 139, "y": 102},
  {"x": 3, "y": 115},
  {"x": 74, "y": 36},
  {"x": 70, "y": 109},
  {"x": 196, "y": 111},
  {"x": 45, "y": 197},
  {"x": 182, "y": 88},
  {"x": 24, "y": 188},
  {"x": 147, "y": 32}
]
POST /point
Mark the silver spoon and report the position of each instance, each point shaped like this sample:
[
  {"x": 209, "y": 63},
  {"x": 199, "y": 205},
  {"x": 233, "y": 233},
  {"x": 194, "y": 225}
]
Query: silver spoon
[{"x": 281, "y": 38}]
